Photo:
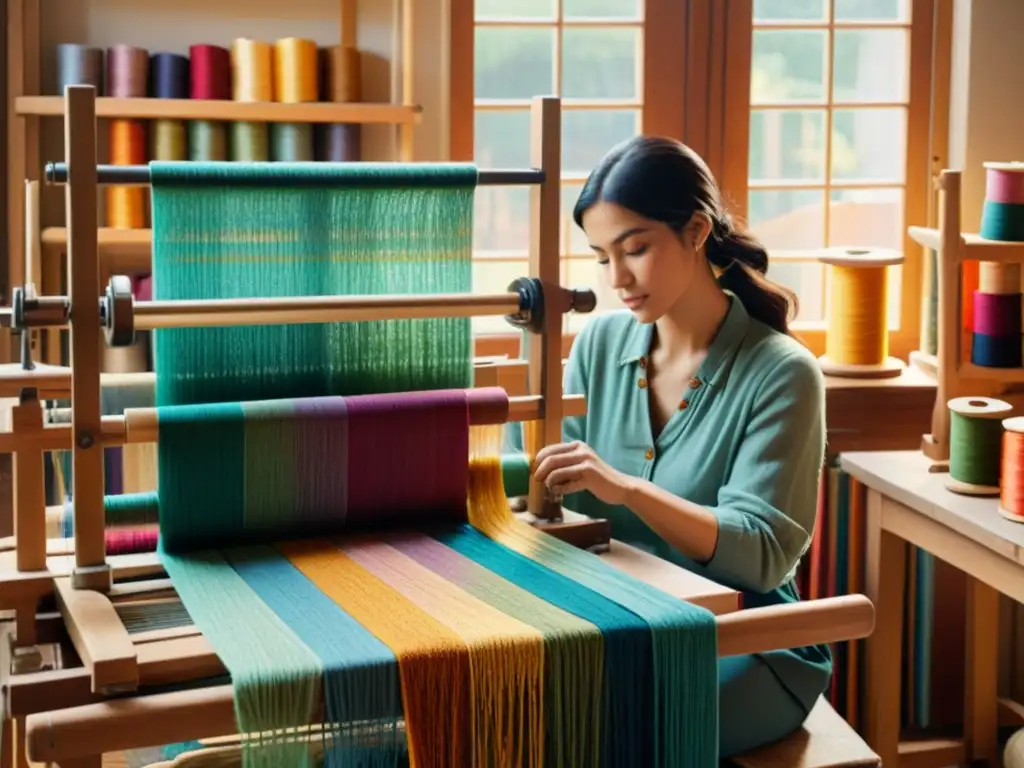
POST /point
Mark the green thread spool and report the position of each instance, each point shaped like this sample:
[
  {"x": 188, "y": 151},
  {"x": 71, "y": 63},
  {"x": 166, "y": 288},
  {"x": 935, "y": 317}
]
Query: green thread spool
[
  {"x": 250, "y": 142},
  {"x": 292, "y": 142},
  {"x": 975, "y": 445},
  {"x": 207, "y": 141},
  {"x": 170, "y": 140},
  {"x": 515, "y": 474}
]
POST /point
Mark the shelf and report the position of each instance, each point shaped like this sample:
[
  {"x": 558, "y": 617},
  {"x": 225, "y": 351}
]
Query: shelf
[
  {"x": 1004, "y": 375},
  {"x": 231, "y": 111},
  {"x": 972, "y": 247}
]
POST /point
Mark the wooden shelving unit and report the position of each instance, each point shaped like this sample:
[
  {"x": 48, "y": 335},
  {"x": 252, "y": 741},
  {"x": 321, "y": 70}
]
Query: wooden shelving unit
[
  {"x": 128, "y": 251},
  {"x": 953, "y": 247}
]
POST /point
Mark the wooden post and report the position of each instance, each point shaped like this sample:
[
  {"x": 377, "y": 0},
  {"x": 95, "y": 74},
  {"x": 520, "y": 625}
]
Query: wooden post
[
  {"x": 91, "y": 569},
  {"x": 544, "y": 350},
  {"x": 29, "y": 483}
]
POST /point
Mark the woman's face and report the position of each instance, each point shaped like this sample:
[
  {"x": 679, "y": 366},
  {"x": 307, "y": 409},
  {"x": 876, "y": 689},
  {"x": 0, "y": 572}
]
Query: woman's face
[{"x": 649, "y": 265}]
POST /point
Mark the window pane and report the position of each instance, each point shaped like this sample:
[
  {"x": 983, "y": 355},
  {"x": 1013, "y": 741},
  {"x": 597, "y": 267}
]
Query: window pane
[
  {"x": 787, "y": 145},
  {"x": 788, "y": 66},
  {"x": 588, "y": 134},
  {"x": 870, "y": 65},
  {"x": 806, "y": 279},
  {"x": 788, "y": 219},
  {"x": 515, "y": 9},
  {"x": 502, "y": 139},
  {"x": 501, "y": 219},
  {"x": 514, "y": 63},
  {"x": 790, "y": 10},
  {"x": 869, "y": 144},
  {"x": 871, "y": 10},
  {"x": 585, "y": 272},
  {"x": 573, "y": 239},
  {"x": 492, "y": 276},
  {"x": 601, "y": 9},
  {"x": 870, "y": 218},
  {"x": 601, "y": 63}
]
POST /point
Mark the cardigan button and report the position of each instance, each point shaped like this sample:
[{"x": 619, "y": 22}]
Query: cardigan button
[
  {"x": 650, "y": 454},
  {"x": 683, "y": 405},
  {"x": 642, "y": 383},
  {"x": 694, "y": 383}
]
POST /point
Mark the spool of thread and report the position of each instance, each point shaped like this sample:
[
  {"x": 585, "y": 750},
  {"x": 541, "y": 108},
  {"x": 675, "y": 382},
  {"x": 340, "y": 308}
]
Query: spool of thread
[
  {"x": 210, "y": 72},
  {"x": 975, "y": 445},
  {"x": 930, "y": 305},
  {"x": 207, "y": 140},
  {"x": 250, "y": 142},
  {"x": 126, "y": 206},
  {"x": 252, "y": 70},
  {"x": 857, "y": 340},
  {"x": 337, "y": 142},
  {"x": 996, "y": 342},
  {"x": 252, "y": 76},
  {"x": 1011, "y": 481},
  {"x": 169, "y": 76},
  {"x": 295, "y": 70},
  {"x": 127, "y": 72},
  {"x": 79, "y": 65},
  {"x": 1002, "y": 215},
  {"x": 291, "y": 142},
  {"x": 340, "y": 82},
  {"x": 169, "y": 140}
]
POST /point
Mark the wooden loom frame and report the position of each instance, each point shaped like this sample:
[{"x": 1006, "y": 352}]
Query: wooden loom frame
[{"x": 74, "y": 714}]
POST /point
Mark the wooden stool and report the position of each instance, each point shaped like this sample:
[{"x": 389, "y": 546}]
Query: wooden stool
[{"x": 824, "y": 741}]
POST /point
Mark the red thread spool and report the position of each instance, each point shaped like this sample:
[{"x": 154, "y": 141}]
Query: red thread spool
[
  {"x": 211, "y": 72},
  {"x": 1011, "y": 484}
]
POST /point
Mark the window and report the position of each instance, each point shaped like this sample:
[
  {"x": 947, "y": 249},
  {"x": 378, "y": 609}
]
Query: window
[
  {"x": 830, "y": 160},
  {"x": 588, "y": 52}
]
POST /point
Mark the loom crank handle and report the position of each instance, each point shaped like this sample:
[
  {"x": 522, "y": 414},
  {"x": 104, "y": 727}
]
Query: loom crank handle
[{"x": 533, "y": 303}]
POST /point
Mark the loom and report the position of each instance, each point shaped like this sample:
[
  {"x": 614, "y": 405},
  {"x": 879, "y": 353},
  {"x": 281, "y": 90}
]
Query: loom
[{"x": 118, "y": 688}]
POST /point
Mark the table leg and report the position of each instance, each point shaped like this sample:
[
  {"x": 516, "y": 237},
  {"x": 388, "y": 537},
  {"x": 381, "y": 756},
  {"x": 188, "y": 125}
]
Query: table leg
[
  {"x": 885, "y": 572},
  {"x": 981, "y": 673}
]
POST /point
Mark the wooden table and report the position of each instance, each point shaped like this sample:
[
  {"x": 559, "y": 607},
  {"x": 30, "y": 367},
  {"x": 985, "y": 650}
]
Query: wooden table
[{"x": 907, "y": 504}]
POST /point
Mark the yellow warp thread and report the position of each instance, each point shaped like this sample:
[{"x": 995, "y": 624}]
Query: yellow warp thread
[
  {"x": 423, "y": 646},
  {"x": 506, "y": 657},
  {"x": 858, "y": 311}
]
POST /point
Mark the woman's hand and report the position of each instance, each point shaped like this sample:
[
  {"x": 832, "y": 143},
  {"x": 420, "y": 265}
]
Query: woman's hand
[{"x": 570, "y": 467}]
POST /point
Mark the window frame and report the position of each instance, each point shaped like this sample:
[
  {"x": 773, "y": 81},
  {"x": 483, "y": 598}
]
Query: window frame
[{"x": 709, "y": 43}]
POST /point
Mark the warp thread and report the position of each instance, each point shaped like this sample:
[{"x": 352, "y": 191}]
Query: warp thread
[
  {"x": 975, "y": 442},
  {"x": 79, "y": 65}
]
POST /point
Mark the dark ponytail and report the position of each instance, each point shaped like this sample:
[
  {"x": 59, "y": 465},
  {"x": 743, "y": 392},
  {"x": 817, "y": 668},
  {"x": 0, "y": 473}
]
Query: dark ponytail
[
  {"x": 664, "y": 180},
  {"x": 741, "y": 262}
]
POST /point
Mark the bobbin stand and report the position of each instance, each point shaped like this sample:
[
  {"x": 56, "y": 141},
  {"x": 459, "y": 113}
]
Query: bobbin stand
[
  {"x": 106, "y": 696},
  {"x": 953, "y": 248},
  {"x": 839, "y": 360}
]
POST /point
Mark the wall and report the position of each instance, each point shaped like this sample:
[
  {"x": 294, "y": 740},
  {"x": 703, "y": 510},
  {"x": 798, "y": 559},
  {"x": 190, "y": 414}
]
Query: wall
[
  {"x": 986, "y": 116},
  {"x": 173, "y": 26}
]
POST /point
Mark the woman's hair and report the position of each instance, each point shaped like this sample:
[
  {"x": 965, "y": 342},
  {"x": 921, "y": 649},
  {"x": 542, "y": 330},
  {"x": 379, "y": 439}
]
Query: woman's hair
[{"x": 664, "y": 180}]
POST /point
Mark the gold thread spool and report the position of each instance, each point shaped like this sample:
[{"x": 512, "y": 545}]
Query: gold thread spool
[
  {"x": 170, "y": 140},
  {"x": 341, "y": 74},
  {"x": 857, "y": 337},
  {"x": 295, "y": 70},
  {"x": 998, "y": 278},
  {"x": 252, "y": 70},
  {"x": 126, "y": 206}
]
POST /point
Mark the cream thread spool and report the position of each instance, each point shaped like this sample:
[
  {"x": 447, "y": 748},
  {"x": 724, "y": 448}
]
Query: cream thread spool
[
  {"x": 975, "y": 445},
  {"x": 857, "y": 336}
]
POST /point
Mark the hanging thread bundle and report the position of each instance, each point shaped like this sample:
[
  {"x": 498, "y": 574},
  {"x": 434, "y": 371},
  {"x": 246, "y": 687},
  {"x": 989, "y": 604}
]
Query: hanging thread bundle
[
  {"x": 857, "y": 342},
  {"x": 491, "y": 642},
  {"x": 975, "y": 445}
]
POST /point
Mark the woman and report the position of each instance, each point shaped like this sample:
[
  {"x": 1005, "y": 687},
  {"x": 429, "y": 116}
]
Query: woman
[{"x": 704, "y": 434}]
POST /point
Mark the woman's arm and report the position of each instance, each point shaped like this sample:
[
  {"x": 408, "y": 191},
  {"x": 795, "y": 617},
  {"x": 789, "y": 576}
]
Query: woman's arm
[{"x": 762, "y": 523}]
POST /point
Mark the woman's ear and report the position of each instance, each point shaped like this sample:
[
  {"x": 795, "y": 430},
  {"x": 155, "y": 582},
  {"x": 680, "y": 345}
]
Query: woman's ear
[{"x": 699, "y": 229}]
